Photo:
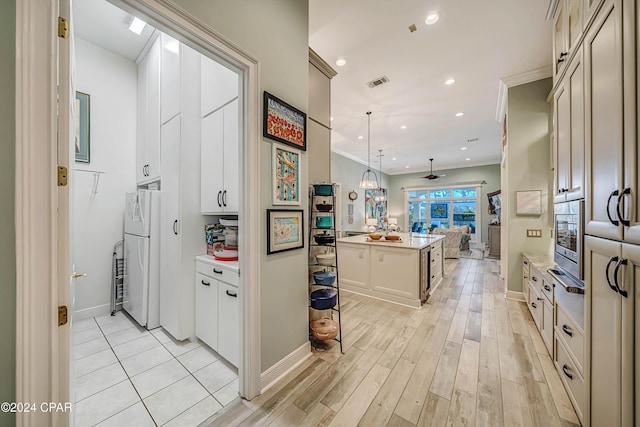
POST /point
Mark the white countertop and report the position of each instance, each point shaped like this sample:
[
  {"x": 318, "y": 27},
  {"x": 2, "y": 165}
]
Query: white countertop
[
  {"x": 231, "y": 265},
  {"x": 418, "y": 241}
]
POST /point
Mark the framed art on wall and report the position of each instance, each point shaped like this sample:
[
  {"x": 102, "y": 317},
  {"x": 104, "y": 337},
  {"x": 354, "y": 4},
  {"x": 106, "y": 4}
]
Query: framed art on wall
[
  {"x": 285, "y": 230},
  {"x": 284, "y": 123},
  {"x": 286, "y": 175},
  {"x": 529, "y": 202},
  {"x": 82, "y": 145}
]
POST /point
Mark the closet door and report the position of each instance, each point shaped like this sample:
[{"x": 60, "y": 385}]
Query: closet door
[
  {"x": 230, "y": 195},
  {"x": 212, "y": 163}
]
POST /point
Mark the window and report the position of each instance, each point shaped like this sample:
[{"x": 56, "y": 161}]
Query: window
[{"x": 431, "y": 208}]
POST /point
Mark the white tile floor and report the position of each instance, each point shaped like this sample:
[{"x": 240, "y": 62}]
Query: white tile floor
[{"x": 128, "y": 376}]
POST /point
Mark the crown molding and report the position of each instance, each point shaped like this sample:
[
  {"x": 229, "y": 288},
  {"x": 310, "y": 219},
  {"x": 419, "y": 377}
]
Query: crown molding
[
  {"x": 517, "y": 80},
  {"x": 552, "y": 9},
  {"x": 321, "y": 64},
  {"x": 349, "y": 156}
]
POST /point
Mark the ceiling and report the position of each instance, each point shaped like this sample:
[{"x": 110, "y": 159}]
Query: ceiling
[{"x": 477, "y": 43}]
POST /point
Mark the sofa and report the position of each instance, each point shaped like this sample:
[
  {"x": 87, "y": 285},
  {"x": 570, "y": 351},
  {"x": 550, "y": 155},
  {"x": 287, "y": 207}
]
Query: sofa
[{"x": 456, "y": 239}]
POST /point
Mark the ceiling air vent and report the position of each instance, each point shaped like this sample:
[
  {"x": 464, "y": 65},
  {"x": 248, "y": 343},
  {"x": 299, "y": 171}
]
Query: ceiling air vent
[
  {"x": 377, "y": 82},
  {"x": 473, "y": 140}
]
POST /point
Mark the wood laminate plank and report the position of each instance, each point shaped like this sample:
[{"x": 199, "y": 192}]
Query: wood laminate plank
[
  {"x": 354, "y": 335},
  {"x": 536, "y": 338},
  {"x": 458, "y": 326},
  {"x": 418, "y": 342},
  {"x": 509, "y": 366},
  {"x": 515, "y": 315},
  {"x": 503, "y": 323},
  {"x": 320, "y": 416},
  {"x": 361, "y": 398},
  {"x": 435, "y": 411},
  {"x": 381, "y": 409},
  {"x": 433, "y": 313},
  {"x": 417, "y": 389},
  {"x": 462, "y": 409},
  {"x": 476, "y": 303},
  {"x": 487, "y": 301},
  {"x": 543, "y": 410},
  {"x": 291, "y": 416},
  {"x": 489, "y": 411},
  {"x": 232, "y": 416},
  {"x": 397, "y": 347},
  {"x": 489, "y": 364},
  {"x": 473, "y": 330},
  {"x": 444, "y": 378},
  {"x": 515, "y": 405},
  {"x": 463, "y": 304},
  {"x": 435, "y": 342},
  {"x": 528, "y": 357},
  {"x": 488, "y": 327},
  {"x": 558, "y": 392},
  {"x": 397, "y": 421},
  {"x": 466, "y": 378}
]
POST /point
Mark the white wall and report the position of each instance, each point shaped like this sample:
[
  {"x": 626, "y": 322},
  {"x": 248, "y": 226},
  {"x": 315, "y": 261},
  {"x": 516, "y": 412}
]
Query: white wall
[
  {"x": 111, "y": 81},
  {"x": 527, "y": 168}
]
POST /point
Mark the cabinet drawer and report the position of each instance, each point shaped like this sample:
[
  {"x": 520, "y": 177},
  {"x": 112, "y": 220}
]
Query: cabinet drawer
[
  {"x": 221, "y": 273},
  {"x": 571, "y": 378},
  {"x": 547, "y": 325},
  {"x": 571, "y": 335},
  {"x": 525, "y": 267},
  {"x": 547, "y": 290},
  {"x": 535, "y": 307},
  {"x": 229, "y": 323},
  {"x": 535, "y": 280},
  {"x": 207, "y": 310}
]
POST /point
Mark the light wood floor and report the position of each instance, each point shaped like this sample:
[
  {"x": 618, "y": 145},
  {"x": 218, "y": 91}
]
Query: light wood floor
[{"x": 469, "y": 357}]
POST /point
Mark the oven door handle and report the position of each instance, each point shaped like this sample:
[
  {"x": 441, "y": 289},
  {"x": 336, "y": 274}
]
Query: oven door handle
[
  {"x": 606, "y": 273},
  {"x": 623, "y": 261},
  {"x": 611, "y": 220},
  {"x": 625, "y": 222}
]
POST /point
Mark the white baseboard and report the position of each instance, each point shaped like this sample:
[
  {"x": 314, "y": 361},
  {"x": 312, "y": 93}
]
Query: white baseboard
[
  {"x": 514, "y": 295},
  {"x": 88, "y": 313},
  {"x": 271, "y": 376}
]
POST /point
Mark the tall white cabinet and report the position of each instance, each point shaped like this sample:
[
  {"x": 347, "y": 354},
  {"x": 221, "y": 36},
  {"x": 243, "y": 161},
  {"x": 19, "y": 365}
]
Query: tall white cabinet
[{"x": 148, "y": 131}]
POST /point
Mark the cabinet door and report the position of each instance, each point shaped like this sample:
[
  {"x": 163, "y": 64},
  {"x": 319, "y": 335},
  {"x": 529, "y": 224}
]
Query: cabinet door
[
  {"x": 228, "y": 323},
  {"x": 560, "y": 50},
  {"x": 207, "y": 290},
  {"x": 575, "y": 12},
  {"x": 535, "y": 306},
  {"x": 563, "y": 141},
  {"x": 354, "y": 266},
  {"x": 525, "y": 279},
  {"x": 547, "y": 325},
  {"x": 219, "y": 85},
  {"x": 153, "y": 112},
  {"x": 609, "y": 336},
  {"x": 575, "y": 81},
  {"x": 230, "y": 193},
  {"x": 211, "y": 170},
  {"x": 142, "y": 127},
  {"x": 604, "y": 121},
  {"x": 170, "y": 253},
  {"x": 630, "y": 280},
  {"x": 170, "y": 77},
  {"x": 395, "y": 271}
]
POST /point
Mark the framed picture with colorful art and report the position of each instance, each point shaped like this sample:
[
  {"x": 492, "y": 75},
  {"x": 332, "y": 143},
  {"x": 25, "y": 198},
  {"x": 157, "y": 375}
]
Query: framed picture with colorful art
[
  {"x": 284, "y": 123},
  {"x": 82, "y": 128},
  {"x": 285, "y": 230},
  {"x": 286, "y": 175}
]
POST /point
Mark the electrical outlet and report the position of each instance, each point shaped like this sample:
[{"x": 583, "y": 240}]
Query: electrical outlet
[{"x": 534, "y": 232}]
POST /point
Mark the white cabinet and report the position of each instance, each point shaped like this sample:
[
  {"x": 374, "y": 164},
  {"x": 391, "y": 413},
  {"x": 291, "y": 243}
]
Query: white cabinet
[
  {"x": 610, "y": 330},
  {"x": 219, "y": 189},
  {"x": 610, "y": 122},
  {"x": 148, "y": 111},
  {"x": 228, "y": 322},
  {"x": 354, "y": 266},
  {"x": 546, "y": 325},
  {"x": 219, "y": 86},
  {"x": 569, "y": 134},
  {"x": 170, "y": 78},
  {"x": 526, "y": 265},
  {"x": 207, "y": 289},
  {"x": 395, "y": 271},
  {"x": 217, "y": 309},
  {"x": 568, "y": 26}
]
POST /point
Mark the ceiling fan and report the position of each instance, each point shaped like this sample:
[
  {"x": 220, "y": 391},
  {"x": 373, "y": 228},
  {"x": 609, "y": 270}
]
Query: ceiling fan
[{"x": 431, "y": 176}]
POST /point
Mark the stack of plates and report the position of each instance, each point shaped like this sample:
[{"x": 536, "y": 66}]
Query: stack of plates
[{"x": 226, "y": 254}]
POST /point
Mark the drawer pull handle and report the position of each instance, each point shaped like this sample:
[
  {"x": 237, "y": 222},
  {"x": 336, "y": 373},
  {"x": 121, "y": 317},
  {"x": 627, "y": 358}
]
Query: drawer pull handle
[
  {"x": 611, "y": 220},
  {"x": 204, "y": 282},
  {"x": 215, "y": 270},
  {"x": 565, "y": 369},
  {"x": 526, "y": 263},
  {"x": 534, "y": 278},
  {"x": 232, "y": 294},
  {"x": 624, "y": 222},
  {"x": 533, "y": 304},
  {"x": 567, "y": 331},
  {"x": 547, "y": 288},
  {"x": 606, "y": 273}
]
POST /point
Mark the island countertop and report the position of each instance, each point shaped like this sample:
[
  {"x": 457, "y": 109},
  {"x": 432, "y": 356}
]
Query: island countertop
[{"x": 418, "y": 241}]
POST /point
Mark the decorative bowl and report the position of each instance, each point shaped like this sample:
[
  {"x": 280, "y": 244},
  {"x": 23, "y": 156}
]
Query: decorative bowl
[
  {"x": 324, "y": 277},
  {"x": 326, "y": 259},
  {"x": 392, "y": 237},
  {"x": 324, "y": 207},
  {"x": 375, "y": 236},
  {"x": 324, "y": 299}
]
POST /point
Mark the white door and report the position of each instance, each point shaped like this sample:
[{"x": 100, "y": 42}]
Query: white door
[
  {"x": 136, "y": 290},
  {"x": 230, "y": 194}
]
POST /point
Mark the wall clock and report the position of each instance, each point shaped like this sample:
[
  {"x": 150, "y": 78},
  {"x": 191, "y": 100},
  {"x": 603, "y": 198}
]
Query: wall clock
[{"x": 353, "y": 195}]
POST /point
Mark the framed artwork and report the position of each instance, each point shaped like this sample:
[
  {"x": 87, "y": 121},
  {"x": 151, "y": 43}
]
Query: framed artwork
[
  {"x": 440, "y": 210},
  {"x": 284, "y": 123},
  {"x": 495, "y": 203},
  {"x": 529, "y": 202},
  {"x": 82, "y": 128},
  {"x": 286, "y": 175},
  {"x": 285, "y": 230},
  {"x": 372, "y": 208}
]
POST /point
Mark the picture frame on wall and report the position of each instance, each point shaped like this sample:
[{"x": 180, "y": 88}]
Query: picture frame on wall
[
  {"x": 285, "y": 230},
  {"x": 284, "y": 123},
  {"x": 82, "y": 131},
  {"x": 286, "y": 175}
]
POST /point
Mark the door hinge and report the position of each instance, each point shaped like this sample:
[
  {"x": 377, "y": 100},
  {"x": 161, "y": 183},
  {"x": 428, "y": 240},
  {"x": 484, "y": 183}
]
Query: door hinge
[
  {"x": 62, "y": 315},
  {"x": 62, "y": 176},
  {"x": 63, "y": 28}
]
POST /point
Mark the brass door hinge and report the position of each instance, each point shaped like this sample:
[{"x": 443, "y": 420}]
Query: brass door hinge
[
  {"x": 63, "y": 28},
  {"x": 62, "y": 176},
  {"x": 62, "y": 315}
]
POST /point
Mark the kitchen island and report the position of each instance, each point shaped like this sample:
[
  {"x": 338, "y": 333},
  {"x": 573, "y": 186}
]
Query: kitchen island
[{"x": 403, "y": 272}]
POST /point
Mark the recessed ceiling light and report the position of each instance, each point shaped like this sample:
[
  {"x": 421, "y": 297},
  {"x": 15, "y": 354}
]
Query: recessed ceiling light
[
  {"x": 463, "y": 148},
  {"x": 449, "y": 81},
  {"x": 331, "y": 118},
  {"x": 403, "y": 127},
  {"x": 360, "y": 137},
  {"x": 432, "y": 18},
  {"x": 460, "y": 114},
  {"x": 468, "y": 158},
  {"x": 341, "y": 62},
  {"x": 393, "y": 158},
  {"x": 406, "y": 167},
  {"x": 137, "y": 25}
]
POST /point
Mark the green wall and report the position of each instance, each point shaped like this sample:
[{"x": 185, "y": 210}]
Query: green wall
[{"x": 7, "y": 206}]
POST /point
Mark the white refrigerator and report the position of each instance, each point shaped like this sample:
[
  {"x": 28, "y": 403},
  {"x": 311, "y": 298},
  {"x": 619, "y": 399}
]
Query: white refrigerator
[{"x": 141, "y": 297}]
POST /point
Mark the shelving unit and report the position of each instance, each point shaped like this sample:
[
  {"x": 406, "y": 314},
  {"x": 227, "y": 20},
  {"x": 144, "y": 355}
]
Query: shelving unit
[{"x": 323, "y": 227}]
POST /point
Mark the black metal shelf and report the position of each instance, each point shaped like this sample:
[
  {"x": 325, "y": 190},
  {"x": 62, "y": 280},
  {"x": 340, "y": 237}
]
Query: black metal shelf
[{"x": 331, "y": 231}]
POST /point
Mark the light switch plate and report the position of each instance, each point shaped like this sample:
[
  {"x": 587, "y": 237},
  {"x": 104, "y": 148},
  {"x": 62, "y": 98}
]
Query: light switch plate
[{"x": 534, "y": 232}]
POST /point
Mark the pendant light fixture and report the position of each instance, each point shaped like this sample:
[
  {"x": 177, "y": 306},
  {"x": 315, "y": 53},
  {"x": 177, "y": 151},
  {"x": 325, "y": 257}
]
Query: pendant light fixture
[
  {"x": 381, "y": 197},
  {"x": 369, "y": 179}
]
